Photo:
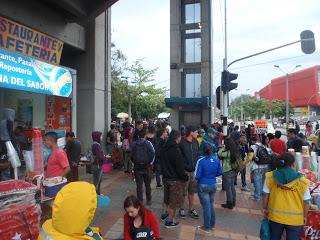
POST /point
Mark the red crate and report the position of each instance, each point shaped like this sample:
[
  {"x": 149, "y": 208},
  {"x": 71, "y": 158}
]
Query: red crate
[{"x": 19, "y": 211}]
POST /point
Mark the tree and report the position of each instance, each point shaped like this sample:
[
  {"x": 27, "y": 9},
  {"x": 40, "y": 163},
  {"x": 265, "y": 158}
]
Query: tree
[
  {"x": 147, "y": 99},
  {"x": 134, "y": 82},
  {"x": 256, "y": 108},
  {"x": 118, "y": 86}
]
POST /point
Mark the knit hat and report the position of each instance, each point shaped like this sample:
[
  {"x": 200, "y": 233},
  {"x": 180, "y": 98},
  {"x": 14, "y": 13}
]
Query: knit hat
[
  {"x": 200, "y": 131},
  {"x": 212, "y": 130}
]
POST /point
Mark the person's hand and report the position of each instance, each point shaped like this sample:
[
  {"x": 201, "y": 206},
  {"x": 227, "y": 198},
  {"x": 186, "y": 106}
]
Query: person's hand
[{"x": 265, "y": 212}]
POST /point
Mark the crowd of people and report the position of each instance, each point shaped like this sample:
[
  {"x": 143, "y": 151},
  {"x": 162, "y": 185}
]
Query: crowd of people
[
  {"x": 186, "y": 163},
  {"x": 190, "y": 160}
]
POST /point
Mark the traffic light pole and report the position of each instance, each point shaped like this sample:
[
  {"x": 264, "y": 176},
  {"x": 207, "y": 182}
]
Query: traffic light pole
[{"x": 225, "y": 66}]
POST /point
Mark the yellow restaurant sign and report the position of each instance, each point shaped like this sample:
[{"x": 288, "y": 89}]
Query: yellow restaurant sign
[{"x": 21, "y": 39}]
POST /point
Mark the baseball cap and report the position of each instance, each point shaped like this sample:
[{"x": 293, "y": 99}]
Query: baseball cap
[{"x": 201, "y": 131}]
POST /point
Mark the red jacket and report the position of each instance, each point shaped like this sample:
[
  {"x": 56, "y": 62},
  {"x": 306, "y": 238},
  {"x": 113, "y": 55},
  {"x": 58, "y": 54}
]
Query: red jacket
[{"x": 149, "y": 220}]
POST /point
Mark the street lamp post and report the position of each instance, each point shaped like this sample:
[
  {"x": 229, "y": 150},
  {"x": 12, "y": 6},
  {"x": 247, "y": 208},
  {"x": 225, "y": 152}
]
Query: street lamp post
[
  {"x": 129, "y": 95},
  {"x": 287, "y": 90},
  {"x": 309, "y": 103}
]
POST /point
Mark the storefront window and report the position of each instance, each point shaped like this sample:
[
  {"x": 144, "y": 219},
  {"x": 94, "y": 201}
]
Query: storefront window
[
  {"x": 193, "y": 85},
  {"x": 192, "y": 13},
  {"x": 192, "y": 50}
]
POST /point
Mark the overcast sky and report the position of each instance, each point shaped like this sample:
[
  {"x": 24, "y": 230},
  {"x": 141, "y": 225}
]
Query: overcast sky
[{"x": 141, "y": 29}]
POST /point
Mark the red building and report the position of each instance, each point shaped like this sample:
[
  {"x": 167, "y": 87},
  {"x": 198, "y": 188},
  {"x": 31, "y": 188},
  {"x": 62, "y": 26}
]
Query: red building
[{"x": 303, "y": 88}]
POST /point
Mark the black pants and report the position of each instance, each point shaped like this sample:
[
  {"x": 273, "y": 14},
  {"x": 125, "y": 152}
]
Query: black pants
[
  {"x": 143, "y": 176},
  {"x": 243, "y": 177}
]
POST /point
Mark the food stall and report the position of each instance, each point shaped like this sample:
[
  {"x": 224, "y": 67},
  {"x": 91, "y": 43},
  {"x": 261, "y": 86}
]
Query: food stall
[
  {"x": 40, "y": 94},
  {"x": 309, "y": 165}
]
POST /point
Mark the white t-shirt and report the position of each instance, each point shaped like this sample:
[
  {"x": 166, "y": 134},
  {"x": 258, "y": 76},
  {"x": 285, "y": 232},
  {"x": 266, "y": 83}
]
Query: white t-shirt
[{"x": 306, "y": 195}]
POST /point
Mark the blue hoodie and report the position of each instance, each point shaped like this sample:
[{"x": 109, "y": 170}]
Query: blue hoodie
[{"x": 207, "y": 169}]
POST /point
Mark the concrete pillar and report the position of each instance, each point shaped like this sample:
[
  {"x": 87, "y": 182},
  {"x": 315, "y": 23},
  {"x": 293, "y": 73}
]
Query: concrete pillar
[{"x": 94, "y": 80}]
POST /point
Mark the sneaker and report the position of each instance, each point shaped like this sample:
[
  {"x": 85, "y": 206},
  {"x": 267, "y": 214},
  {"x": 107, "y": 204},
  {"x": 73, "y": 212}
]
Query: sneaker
[
  {"x": 193, "y": 213},
  {"x": 227, "y": 205},
  {"x": 245, "y": 189},
  {"x": 171, "y": 224},
  {"x": 254, "y": 198},
  {"x": 164, "y": 216},
  {"x": 159, "y": 186},
  {"x": 204, "y": 229},
  {"x": 182, "y": 213}
]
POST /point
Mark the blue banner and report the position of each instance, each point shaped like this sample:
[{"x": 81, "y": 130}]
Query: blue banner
[{"x": 27, "y": 74}]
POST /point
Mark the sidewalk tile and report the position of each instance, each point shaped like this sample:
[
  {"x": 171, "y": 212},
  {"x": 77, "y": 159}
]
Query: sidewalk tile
[
  {"x": 188, "y": 229},
  {"x": 249, "y": 237},
  {"x": 256, "y": 212},
  {"x": 237, "y": 236},
  {"x": 186, "y": 236},
  {"x": 221, "y": 234}
]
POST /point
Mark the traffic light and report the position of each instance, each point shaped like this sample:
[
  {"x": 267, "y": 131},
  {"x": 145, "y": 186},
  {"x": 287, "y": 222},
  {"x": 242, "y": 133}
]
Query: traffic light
[
  {"x": 226, "y": 81},
  {"x": 218, "y": 95},
  {"x": 307, "y": 42}
]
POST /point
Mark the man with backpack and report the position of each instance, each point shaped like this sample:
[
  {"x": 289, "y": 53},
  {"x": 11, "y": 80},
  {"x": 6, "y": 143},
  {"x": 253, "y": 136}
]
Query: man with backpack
[
  {"x": 142, "y": 155},
  {"x": 259, "y": 166}
]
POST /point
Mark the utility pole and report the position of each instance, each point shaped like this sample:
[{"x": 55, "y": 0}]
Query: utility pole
[{"x": 225, "y": 66}]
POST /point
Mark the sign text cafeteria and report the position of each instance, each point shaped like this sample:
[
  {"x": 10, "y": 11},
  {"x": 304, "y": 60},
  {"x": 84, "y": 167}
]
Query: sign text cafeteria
[{"x": 21, "y": 39}]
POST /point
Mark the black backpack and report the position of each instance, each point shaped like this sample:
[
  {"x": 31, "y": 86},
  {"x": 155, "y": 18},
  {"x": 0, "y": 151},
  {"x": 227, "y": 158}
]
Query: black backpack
[
  {"x": 262, "y": 156},
  {"x": 140, "y": 155}
]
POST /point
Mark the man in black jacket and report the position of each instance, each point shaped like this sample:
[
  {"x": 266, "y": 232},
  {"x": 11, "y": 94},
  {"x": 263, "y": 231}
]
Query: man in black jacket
[
  {"x": 189, "y": 147},
  {"x": 172, "y": 167},
  {"x": 142, "y": 155}
]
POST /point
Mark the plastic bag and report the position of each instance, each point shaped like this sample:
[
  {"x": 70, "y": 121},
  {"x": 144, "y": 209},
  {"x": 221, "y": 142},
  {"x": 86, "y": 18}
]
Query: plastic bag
[
  {"x": 13, "y": 155},
  {"x": 28, "y": 158},
  {"x": 265, "y": 230}
]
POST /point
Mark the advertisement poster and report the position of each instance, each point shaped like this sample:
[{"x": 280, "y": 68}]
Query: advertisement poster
[
  {"x": 25, "y": 112},
  {"x": 21, "y": 39},
  {"x": 261, "y": 126},
  {"x": 58, "y": 113},
  {"x": 27, "y": 74}
]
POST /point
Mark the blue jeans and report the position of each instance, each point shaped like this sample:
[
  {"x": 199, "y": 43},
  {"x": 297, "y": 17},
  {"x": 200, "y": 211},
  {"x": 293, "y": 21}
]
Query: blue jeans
[
  {"x": 259, "y": 176},
  {"x": 97, "y": 177},
  {"x": 206, "y": 196},
  {"x": 293, "y": 232}
]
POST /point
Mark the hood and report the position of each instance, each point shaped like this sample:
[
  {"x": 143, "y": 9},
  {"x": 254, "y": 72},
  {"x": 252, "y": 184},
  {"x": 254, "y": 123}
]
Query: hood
[
  {"x": 96, "y": 136},
  {"x": 9, "y": 114},
  {"x": 74, "y": 208},
  {"x": 208, "y": 138},
  {"x": 169, "y": 144},
  {"x": 285, "y": 175}
]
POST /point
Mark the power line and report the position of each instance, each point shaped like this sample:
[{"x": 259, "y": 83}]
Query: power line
[{"x": 262, "y": 63}]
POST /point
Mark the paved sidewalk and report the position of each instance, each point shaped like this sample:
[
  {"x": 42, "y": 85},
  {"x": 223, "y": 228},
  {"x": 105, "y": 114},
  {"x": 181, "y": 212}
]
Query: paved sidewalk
[{"x": 243, "y": 222}]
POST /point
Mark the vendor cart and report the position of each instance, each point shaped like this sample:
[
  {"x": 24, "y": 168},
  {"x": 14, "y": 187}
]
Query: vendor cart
[{"x": 20, "y": 210}]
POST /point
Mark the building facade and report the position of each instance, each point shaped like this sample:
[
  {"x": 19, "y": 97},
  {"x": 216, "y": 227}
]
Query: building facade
[
  {"x": 82, "y": 30},
  {"x": 190, "y": 62},
  {"x": 304, "y": 90}
]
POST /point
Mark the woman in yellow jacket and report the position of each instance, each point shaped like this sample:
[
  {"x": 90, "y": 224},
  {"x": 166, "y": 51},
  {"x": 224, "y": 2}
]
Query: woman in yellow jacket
[
  {"x": 286, "y": 199},
  {"x": 73, "y": 210}
]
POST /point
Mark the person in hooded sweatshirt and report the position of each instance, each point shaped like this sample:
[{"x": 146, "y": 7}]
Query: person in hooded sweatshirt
[
  {"x": 73, "y": 210},
  {"x": 6, "y": 134},
  {"x": 286, "y": 199},
  {"x": 172, "y": 167},
  {"x": 99, "y": 158}
]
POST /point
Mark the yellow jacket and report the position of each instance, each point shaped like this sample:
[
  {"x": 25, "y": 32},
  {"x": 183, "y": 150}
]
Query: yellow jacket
[
  {"x": 286, "y": 205},
  {"x": 73, "y": 210}
]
